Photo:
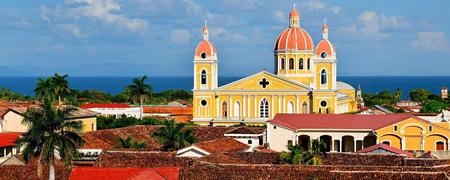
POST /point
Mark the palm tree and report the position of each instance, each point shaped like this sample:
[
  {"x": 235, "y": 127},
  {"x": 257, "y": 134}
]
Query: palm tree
[
  {"x": 44, "y": 89},
  {"x": 60, "y": 86},
  {"x": 141, "y": 91},
  {"x": 173, "y": 135},
  {"x": 50, "y": 131},
  {"x": 315, "y": 150}
]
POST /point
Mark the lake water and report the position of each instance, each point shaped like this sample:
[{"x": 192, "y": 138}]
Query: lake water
[{"x": 114, "y": 85}]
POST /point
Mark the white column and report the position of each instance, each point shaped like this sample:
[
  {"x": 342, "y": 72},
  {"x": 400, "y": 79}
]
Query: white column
[
  {"x": 354, "y": 144},
  {"x": 332, "y": 145},
  {"x": 279, "y": 104},
  {"x": 341, "y": 145},
  {"x": 217, "y": 107},
  {"x": 255, "y": 105},
  {"x": 296, "y": 104},
  {"x": 284, "y": 104},
  {"x": 403, "y": 144},
  {"x": 243, "y": 106},
  {"x": 230, "y": 105},
  {"x": 248, "y": 106},
  {"x": 272, "y": 107}
]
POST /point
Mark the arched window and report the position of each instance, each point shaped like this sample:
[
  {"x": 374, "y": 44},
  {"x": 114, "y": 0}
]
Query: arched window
[
  {"x": 203, "y": 77},
  {"x": 283, "y": 64},
  {"x": 249, "y": 141},
  {"x": 290, "y": 107},
  {"x": 440, "y": 146},
  {"x": 224, "y": 109},
  {"x": 264, "y": 108},
  {"x": 300, "y": 64},
  {"x": 291, "y": 63},
  {"x": 305, "y": 108},
  {"x": 386, "y": 143},
  {"x": 237, "y": 109},
  {"x": 308, "y": 64},
  {"x": 323, "y": 77}
]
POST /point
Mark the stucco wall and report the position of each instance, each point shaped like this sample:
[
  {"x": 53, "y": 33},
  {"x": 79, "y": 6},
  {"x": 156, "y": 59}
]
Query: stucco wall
[{"x": 278, "y": 137}]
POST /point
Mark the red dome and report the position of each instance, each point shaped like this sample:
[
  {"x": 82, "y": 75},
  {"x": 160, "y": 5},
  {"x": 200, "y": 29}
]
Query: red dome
[
  {"x": 325, "y": 46},
  {"x": 293, "y": 13},
  {"x": 294, "y": 38},
  {"x": 205, "y": 47}
]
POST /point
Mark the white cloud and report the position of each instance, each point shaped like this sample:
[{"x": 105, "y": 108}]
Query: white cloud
[
  {"x": 44, "y": 13},
  {"x": 435, "y": 41},
  {"x": 242, "y": 4},
  {"x": 372, "y": 24},
  {"x": 181, "y": 36},
  {"x": 315, "y": 5},
  {"x": 336, "y": 9},
  {"x": 107, "y": 11},
  {"x": 225, "y": 35},
  {"x": 279, "y": 15}
]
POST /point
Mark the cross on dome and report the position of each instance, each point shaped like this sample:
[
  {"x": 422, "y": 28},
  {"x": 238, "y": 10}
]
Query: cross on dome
[{"x": 205, "y": 31}]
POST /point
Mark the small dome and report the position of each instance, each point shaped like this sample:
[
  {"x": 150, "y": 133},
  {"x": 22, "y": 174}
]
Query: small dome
[
  {"x": 294, "y": 13},
  {"x": 205, "y": 49},
  {"x": 325, "y": 49},
  {"x": 294, "y": 38}
]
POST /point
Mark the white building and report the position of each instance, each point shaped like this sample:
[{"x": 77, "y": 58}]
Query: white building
[
  {"x": 115, "y": 110},
  {"x": 253, "y": 137}
]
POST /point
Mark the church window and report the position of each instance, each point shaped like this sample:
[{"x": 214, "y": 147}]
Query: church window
[
  {"x": 224, "y": 109},
  {"x": 282, "y": 64},
  {"x": 430, "y": 128},
  {"x": 203, "y": 55},
  {"x": 395, "y": 128},
  {"x": 323, "y": 103},
  {"x": 264, "y": 108},
  {"x": 323, "y": 77},
  {"x": 291, "y": 63},
  {"x": 300, "y": 64},
  {"x": 249, "y": 141},
  {"x": 305, "y": 108},
  {"x": 308, "y": 64},
  {"x": 323, "y": 54},
  {"x": 203, "y": 102},
  {"x": 203, "y": 77}
]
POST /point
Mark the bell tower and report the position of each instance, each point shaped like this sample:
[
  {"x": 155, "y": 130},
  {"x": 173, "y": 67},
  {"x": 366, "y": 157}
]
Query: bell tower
[{"x": 205, "y": 63}]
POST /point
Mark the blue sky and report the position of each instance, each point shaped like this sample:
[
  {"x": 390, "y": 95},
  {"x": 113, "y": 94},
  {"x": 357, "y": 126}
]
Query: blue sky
[{"x": 158, "y": 37}]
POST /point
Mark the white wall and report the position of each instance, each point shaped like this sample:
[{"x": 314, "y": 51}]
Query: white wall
[{"x": 278, "y": 137}]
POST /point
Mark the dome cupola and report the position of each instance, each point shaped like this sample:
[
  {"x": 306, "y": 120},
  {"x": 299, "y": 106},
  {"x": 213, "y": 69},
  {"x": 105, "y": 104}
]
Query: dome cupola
[
  {"x": 294, "y": 38},
  {"x": 205, "y": 49},
  {"x": 325, "y": 48}
]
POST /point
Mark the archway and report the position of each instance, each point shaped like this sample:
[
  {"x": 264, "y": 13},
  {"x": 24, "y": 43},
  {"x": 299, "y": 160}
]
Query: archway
[
  {"x": 303, "y": 141},
  {"x": 327, "y": 140},
  {"x": 369, "y": 141},
  {"x": 224, "y": 109},
  {"x": 348, "y": 144},
  {"x": 237, "y": 109}
]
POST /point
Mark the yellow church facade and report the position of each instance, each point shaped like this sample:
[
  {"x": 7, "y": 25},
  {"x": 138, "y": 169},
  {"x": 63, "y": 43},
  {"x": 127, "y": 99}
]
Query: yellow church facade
[{"x": 303, "y": 81}]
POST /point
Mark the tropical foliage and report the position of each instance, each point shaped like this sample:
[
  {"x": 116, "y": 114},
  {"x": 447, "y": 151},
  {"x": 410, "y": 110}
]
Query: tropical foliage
[
  {"x": 52, "y": 88},
  {"x": 129, "y": 142},
  {"x": 310, "y": 156},
  {"x": 50, "y": 133},
  {"x": 123, "y": 121},
  {"x": 139, "y": 91},
  {"x": 174, "y": 135}
]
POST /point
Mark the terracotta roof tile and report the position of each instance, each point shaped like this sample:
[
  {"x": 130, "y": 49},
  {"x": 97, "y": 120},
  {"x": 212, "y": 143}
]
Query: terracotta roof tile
[
  {"x": 222, "y": 145},
  {"x": 246, "y": 130},
  {"x": 86, "y": 106},
  {"x": 387, "y": 148},
  {"x": 169, "y": 109},
  {"x": 81, "y": 173},
  {"x": 8, "y": 139},
  {"x": 337, "y": 121}
]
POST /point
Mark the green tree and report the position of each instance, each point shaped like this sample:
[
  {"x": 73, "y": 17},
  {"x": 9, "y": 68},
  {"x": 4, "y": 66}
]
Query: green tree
[
  {"x": 419, "y": 95},
  {"x": 433, "y": 106},
  {"x": 44, "y": 89},
  {"x": 398, "y": 95},
  {"x": 174, "y": 135},
  {"x": 310, "y": 156},
  {"x": 50, "y": 132},
  {"x": 60, "y": 86},
  {"x": 141, "y": 91}
]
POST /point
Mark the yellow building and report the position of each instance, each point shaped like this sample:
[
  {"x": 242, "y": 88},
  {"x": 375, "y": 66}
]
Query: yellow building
[
  {"x": 304, "y": 81},
  {"x": 353, "y": 132}
]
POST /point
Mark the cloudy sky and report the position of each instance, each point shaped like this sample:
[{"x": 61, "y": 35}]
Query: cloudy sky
[{"x": 158, "y": 37}]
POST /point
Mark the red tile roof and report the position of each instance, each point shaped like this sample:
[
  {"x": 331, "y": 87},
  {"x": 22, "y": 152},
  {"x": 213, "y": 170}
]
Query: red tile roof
[
  {"x": 246, "y": 130},
  {"x": 8, "y": 139},
  {"x": 337, "y": 121},
  {"x": 81, "y": 173},
  {"x": 86, "y": 106},
  {"x": 169, "y": 109},
  {"x": 222, "y": 145},
  {"x": 386, "y": 148}
]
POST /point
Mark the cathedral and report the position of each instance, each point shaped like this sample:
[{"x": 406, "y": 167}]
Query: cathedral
[{"x": 303, "y": 81}]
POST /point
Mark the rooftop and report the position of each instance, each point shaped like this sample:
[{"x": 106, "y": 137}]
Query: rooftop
[
  {"x": 337, "y": 121},
  {"x": 222, "y": 146},
  {"x": 169, "y": 173},
  {"x": 110, "y": 105},
  {"x": 386, "y": 148},
  {"x": 8, "y": 139},
  {"x": 246, "y": 130}
]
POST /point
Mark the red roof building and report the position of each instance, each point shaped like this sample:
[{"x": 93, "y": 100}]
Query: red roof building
[
  {"x": 109, "y": 105},
  {"x": 8, "y": 139},
  {"x": 385, "y": 149},
  {"x": 163, "y": 173}
]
